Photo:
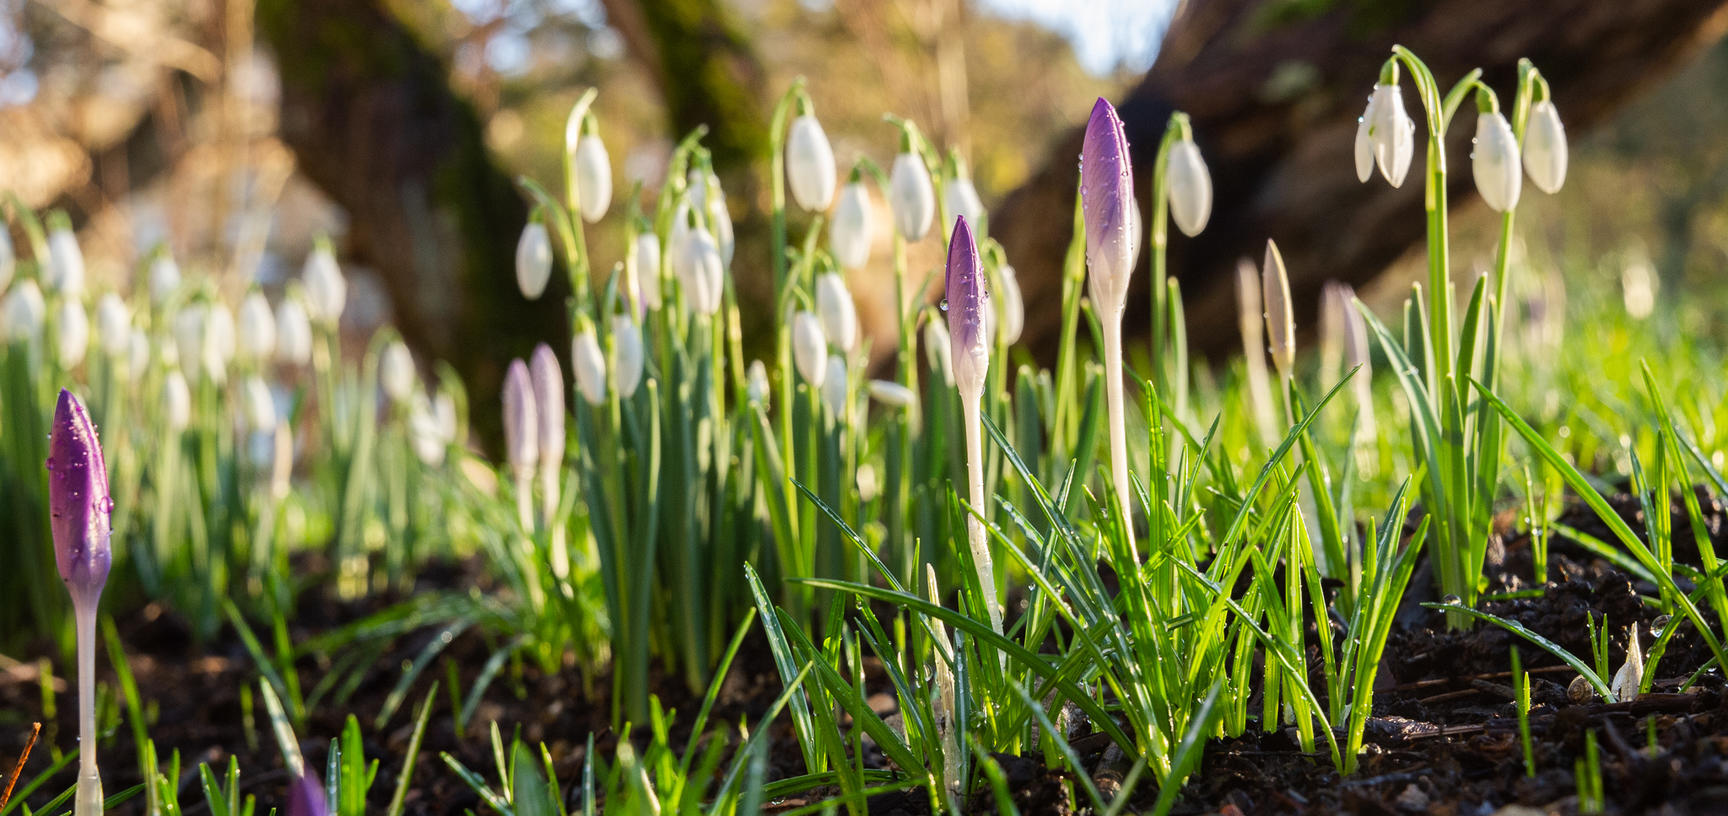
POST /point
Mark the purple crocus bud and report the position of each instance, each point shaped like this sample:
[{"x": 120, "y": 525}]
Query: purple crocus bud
[
  {"x": 548, "y": 380},
  {"x": 1107, "y": 201},
  {"x": 521, "y": 423},
  {"x": 79, "y": 502},
  {"x": 306, "y": 797},
  {"x": 968, "y": 301}
]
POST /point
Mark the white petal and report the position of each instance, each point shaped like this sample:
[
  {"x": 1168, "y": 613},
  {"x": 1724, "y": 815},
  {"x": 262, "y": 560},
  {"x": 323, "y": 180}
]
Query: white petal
[
  {"x": 1190, "y": 188},
  {"x": 810, "y": 170}
]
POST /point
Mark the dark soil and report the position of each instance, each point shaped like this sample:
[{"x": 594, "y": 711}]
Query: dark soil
[{"x": 1443, "y": 740}]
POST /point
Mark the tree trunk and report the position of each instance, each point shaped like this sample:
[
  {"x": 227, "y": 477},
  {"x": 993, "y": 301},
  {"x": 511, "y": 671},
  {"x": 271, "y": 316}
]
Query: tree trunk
[{"x": 1274, "y": 103}]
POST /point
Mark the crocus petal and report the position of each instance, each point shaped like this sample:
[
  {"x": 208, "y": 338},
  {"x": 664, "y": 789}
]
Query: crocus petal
[
  {"x": 1107, "y": 201},
  {"x": 968, "y": 301},
  {"x": 520, "y": 420},
  {"x": 78, "y": 501},
  {"x": 307, "y": 798}
]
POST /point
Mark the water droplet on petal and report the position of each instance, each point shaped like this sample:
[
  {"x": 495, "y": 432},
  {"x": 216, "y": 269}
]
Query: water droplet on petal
[{"x": 944, "y": 304}]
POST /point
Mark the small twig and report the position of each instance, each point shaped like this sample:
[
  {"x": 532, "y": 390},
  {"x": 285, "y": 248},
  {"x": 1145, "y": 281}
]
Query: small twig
[{"x": 12, "y": 781}]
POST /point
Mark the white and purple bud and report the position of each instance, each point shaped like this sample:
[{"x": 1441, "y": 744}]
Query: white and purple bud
[
  {"x": 968, "y": 305},
  {"x": 78, "y": 503},
  {"x": 1107, "y": 202}
]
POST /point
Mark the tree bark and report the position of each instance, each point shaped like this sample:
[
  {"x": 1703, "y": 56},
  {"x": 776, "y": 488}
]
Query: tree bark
[
  {"x": 373, "y": 121},
  {"x": 1274, "y": 105}
]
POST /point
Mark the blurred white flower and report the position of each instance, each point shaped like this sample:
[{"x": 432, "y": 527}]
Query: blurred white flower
[
  {"x": 176, "y": 401},
  {"x": 891, "y": 393},
  {"x": 1393, "y": 133},
  {"x": 396, "y": 371},
  {"x": 701, "y": 272},
  {"x": 164, "y": 278},
  {"x": 1545, "y": 149},
  {"x": 65, "y": 272},
  {"x": 912, "y": 196},
  {"x": 137, "y": 354},
  {"x": 1189, "y": 187},
  {"x": 834, "y": 386},
  {"x": 647, "y": 277},
  {"x": 8, "y": 258},
  {"x": 218, "y": 341},
  {"x": 626, "y": 355},
  {"x": 850, "y": 235},
  {"x": 756, "y": 383},
  {"x": 1494, "y": 162},
  {"x": 533, "y": 260},
  {"x": 1638, "y": 285},
  {"x": 593, "y": 169},
  {"x": 1013, "y": 305},
  {"x": 590, "y": 365},
  {"x": 71, "y": 333},
  {"x": 256, "y": 332},
  {"x": 1631, "y": 673},
  {"x": 547, "y": 380},
  {"x": 521, "y": 423},
  {"x": 24, "y": 312},
  {"x": 810, "y": 170},
  {"x": 293, "y": 331},
  {"x": 1365, "y": 142},
  {"x": 113, "y": 326},
  {"x": 720, "y": 223},
  {"x": 1280, "y": 319},
  {"x": 326, "y": 290},
  {"x": 961, "y": 198},
  {"x": 939, "y": 349},
  {"x": 809, "y": 348},
  {"x": 424, "y": 432},
  {"x": 838, "y": 312},
  {"x": 259, "y": 404}
]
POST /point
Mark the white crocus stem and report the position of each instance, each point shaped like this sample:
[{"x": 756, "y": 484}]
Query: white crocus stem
[
  {"x": 88, "y": 801},
  {"x": 1495, "y": 163},
  {"x": 849, "y": 236},
  {"x": 1545, "y": 152},
  {"x": 810, "y": 170},
  {"x": 1114, "y": 403},
  {"x": 1189, "y": 186},
  {"x": 533, "y": 260},
  {"x": 942, "y": 704},
  {"x": 974, "y": 425}
]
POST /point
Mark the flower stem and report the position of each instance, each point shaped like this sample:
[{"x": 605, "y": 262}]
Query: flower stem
[
  {"x": 89, "y": 798},
  {"x": 975, "y": 496},
  {"x": 1118, "y": 420}
]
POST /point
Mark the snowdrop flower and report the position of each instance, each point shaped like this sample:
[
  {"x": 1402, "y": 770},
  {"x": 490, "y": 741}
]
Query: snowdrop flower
[
  {"x": 8, "y": 258},
  {"x": 326, "y": 290},
  {"x": 113, "y": 326},
  {"x": 590, "y": 365},
  {"x": 256, "y": 337},
  {"x": 71, "y": 333},
  {"x": 961, "y": 198},
  {"x": 533, "y": 260},
  {"x": 137, "y": 354},
  {"x": 24, "y": 312},
  {"x": 1631, "y": 673},
  {"x": 849, "y": 236},
  {"x": 293, "y": 331},
  {"x": 1365, "y": 142},
  {"x": 592, "y": 168},
  {"x": 1013, "y": 305},
  {"x": 1494, "y": 162},
  {"x": 1107, "y": 202},
  {"x": 1545, "y": 147},
  {"x": 424, "y": 432},
  {"x": 176, "y": 401},
  {"x": 521, "y": 435},
  {"x": 834, "y": 386},
  {"x": 939, "y": 348},
  {"x": 700, "y": 271},
  {"x": 720, "y": 219},
  {"x": 810, "y": 168},
  {"x": 65, "y": 259},
  {"x": 218, "y": 347},
  {"x": 1280, "y": 320},
  {"x": 911, "y": 194},
  {"x": 164, "y": 277},
  {"x": 626, "y": 355},
  {"x": 839, "y": 314},
  {"x": 809, "y": 348},
  {"x": 1189, "y": 187},
  {"x": 968, "y": 304},
  {"x": 891, "y": 394},
  {"x": 259, "y": 405},
  {"x": 396, "y": 373},
  {"x": 647, "y": 270},
  {"x": 756, "y": 383},
  {"x": 1392, "y": 132}
]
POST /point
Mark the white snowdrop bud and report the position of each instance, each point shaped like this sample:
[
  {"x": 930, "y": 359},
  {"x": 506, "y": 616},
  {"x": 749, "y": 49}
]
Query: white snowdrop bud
[
  {"x": 71, "y": 333},
  {"x": 1393, "y": 133},
  {"x": 648, "y": 270},
  {"x": 720, "y": 223},
  {"x": 1365, "y": 142},
  {"x": 1013, "y": 305},
  {"x": 756, "y": 383},
  {"x": 259, "y": 405},
  {"x": 1494, "y": 162},
  {"x": 839, "y": 314},
  {"x": 164, "y": 278},
  {"x": 65, "y": 262},
  {"x": 912, "y": 197},
  {"x": 137, "y": 354},
  {"x": 326, "y": 290},
  {"x": 700, "y": 271},
  {"x": 293, "y": 331},
  {"x": 1280, "y": 320},
  {"x": 396, "y": 373},
  {"x": 533, "y": 260},
  {"x": 521, "y": 423},
  {"x": 424, "y": 433},
  {"x": 1545, "y": 148},
  {"x": 189, "y": 336},
  {"x": 849, "y": 236},
  {"x": 891, "y": 394},
  {"x": 547, "y": 379},
  {"x": 255, "y": 337},
  {"x": 1189, "y": 185},
  {"x": 810, "y": 170},
  {"x": 939, "y": 349},
  {"x": 626, "y": 355},
  {"x": 590, "y": 366},
  {"x": 113, "y": 326},
  {"x": 8, "y": 257},
  {"x": 961, "y": 198},
  {"x": 24, "y": 312},
  {"x": 834, "y": 386},
  {"x": 176, "y": 401},
  {"x": 593, "y": 169},
  {"x": 218, "y": 341},
  {"x": 809, "y": 348}
]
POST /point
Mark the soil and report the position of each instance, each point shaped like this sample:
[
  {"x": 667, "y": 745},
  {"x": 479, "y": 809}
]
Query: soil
[{"x": 1444, "y": 738}]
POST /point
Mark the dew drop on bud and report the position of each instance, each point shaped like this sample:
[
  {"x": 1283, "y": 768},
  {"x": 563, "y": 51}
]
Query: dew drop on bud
[
  {"x": 1451, "y": 600},
  {"x": 944, "y": 304}
]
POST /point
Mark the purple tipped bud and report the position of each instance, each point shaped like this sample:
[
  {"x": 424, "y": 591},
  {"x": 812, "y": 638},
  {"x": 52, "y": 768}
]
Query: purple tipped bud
[
  {"x": 78, "y": 500},
  {"x": 307, "y": 798},
  {"x": 548, "y": 381},
  {"x": 521, "y": 431},
  {"x": 968, "y": 300},
  {"x": 1107, "y": 201}
]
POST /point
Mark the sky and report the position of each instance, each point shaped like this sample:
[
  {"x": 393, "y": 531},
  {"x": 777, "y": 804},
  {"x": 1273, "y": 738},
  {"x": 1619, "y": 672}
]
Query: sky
[{"x": 1106, "y": 34}]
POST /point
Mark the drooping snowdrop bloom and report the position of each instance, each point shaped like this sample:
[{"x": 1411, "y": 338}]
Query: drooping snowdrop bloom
[
  {"x": 1107, "y": 202},
  {"x": 626, "y": 355},
  {"x": 968, "y": 300},
  {"x": 756, "y": 383},
  {"x": 396, "y": 373},
  {"x": 1545, "y": 147},
  {"x": 1494, "y": 162},
  {"x": 24, "y": 312},
  {"x": 113, "y": 326},
  {"x": 850, "y": 235},
  {"x": 705, "y": 194},
  {"x": 590, "y": 366},
  {"x": 911, "y": 194},
  {"x": 521, "y": 436},
  {"x": 1013, "y": 305},
  {"x": 1189, "y": 187},
  {"x": 293, "y": 331},
  {"x": 838, "y": 312},
  {"x": 137, "y": 354},
  {"x": 176, "y": 401},
  {"x": 592, "y": 167},
  {"x": 892, "y": 394},
  {"x": 809, "y": 348},
  {"x": 533, "y": 260},
  {"x": 1280, "y": 319},
  {"x": 326, "y": 290},
  {"x": 71, "y": 333},
  {"x": 256, "y": 329},
  {"x": 1392, "y": 132},
  {"x": 1365, "y": 142},
  {"x": 65, "y": 260},
  {"x": 810, "y": 170},
  {"x": 834, "y": 386},
  {"x": 424, "y": 432},
  {"x": 701, "y": 271},
  {"x": 164, "y": 277},
  {"x": 961, "y": 198},
  {"x": 547, "y": 380},
  {"x": 80, "y": 511},
  {"x": 259, "y": 405},
  {"x": 218, "y": 349},
  {"x": 647, "y": 268}
]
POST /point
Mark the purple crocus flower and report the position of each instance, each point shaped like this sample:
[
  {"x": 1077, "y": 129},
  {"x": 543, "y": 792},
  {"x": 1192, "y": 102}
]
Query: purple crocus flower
[
  {"x": 307, "y": 798},
  {"x": 968, "y": 298},
  {"x": 521, "y": 420},
  {"x": 1107, "y": 201},
  {"x": 78, "y": 501}
]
